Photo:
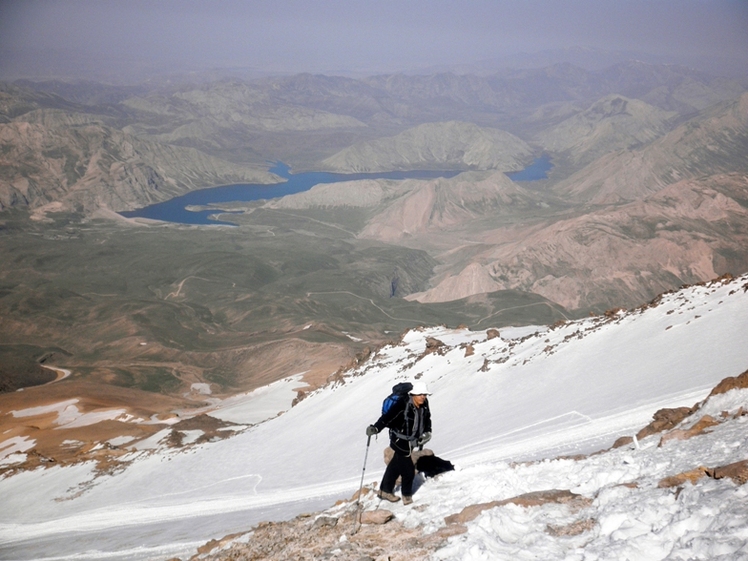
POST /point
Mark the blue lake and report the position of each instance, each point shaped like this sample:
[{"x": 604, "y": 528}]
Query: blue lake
[
  {"x": 175, "y": 210},
  {"x": 534, "y": 172}
]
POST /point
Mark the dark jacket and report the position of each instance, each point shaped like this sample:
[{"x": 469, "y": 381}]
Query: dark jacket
[{"x": 401, "y": 419}]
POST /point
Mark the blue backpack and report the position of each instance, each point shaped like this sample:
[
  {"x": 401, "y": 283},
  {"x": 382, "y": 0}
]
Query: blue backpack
[{"x": 399, "y": 392}]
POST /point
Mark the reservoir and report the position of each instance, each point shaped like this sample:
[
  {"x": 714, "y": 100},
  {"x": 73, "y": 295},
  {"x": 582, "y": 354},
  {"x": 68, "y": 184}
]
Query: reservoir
[
  {"x": 534, "y": 172},
  {"x": 175, "y": 210}
]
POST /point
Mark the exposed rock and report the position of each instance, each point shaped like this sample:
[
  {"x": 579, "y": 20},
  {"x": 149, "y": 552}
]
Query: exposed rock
[
  {"x": 623, "y": 441},
  {"x": 700, "y": 427},
  {"x": 376, "y": 516},
  {"x": 451, "y": 530},
  {"x": 536, "y": 498},
  {"x": 380, "y": 537},
  {"x": 731, "y": 383},
  {"x": 664, "y": 419},
  {"x": 433, "y": 344},
  {"x": 213, "y": 544},
  {"x": 470, "y": 512},
  {"x": 492, "y": 334},
  {"x": 557, "y": 496},
  {"x": 737, "y": 471},
  {"x": 691, "y": 476},
  {"x": 321, "y": 521},
  {"x": 574, "y": 529}
]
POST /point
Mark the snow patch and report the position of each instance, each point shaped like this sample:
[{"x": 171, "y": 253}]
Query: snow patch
[
  {"x": 261, "y": 404},
  {"x": 12, "y": 459},
  {"x": 15, "y": 445},
  {"x": 58, "y": 408},
  {"x": 120, "y": 440},
  {"x": 201, "y": 388},
  {"x": 71, "y": 417}
]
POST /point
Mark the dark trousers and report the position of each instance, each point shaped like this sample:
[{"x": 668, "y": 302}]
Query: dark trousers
[{"x": 400, "y": 465}]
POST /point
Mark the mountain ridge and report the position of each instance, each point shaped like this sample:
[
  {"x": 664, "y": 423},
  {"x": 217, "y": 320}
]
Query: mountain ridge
[
  {"x": 613, "y": 123},
  {"x": 712, "y": 143},
  {"x": 687, "y": 232},
  {"x": 451, "y": 144},
  {"x": 51, "y": 156}
]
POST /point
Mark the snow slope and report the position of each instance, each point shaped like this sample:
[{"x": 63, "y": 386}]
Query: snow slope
[{"x": 529, "y": 394}]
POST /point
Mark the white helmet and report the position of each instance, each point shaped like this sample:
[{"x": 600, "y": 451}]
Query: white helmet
[{"x": 419, "y": 388}]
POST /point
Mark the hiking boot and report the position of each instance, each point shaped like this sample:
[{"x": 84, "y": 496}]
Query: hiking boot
[
  {"x": 388, "y": 496},
  {"x": 407, "y": 500}
]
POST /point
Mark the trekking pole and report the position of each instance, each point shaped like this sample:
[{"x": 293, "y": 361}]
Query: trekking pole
[{"x": 357, "y": 519}]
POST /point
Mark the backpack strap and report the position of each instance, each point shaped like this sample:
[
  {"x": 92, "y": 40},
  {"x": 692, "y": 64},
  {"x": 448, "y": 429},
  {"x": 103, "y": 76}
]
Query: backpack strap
[{"x": 409, "y": 414}]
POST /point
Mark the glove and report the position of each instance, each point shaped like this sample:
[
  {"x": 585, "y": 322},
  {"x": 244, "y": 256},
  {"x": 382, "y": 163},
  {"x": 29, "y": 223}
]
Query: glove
[
  {"x": 371, "y": 430},
  {"x": 425, "y": 437}
]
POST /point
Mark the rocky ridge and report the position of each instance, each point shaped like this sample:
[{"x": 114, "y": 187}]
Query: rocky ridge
[
  {"x": 427, "y": 207},
  {"x": 77, "y": 162},
  {"x": 446, "y": 145},
  {"x": 611, "y": 124},
  {"x": 709, "y": 144},
  {"x": 688, "y": 232}
]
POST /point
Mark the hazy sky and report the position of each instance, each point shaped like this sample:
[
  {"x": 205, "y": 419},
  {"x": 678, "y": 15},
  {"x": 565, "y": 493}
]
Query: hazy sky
[{"x": 350, "y": 35}]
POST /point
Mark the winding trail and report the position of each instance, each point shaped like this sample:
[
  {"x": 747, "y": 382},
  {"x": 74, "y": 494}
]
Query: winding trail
[
  {"x": 328, "y": 224},
  {"x": 62, "y": 373},
  {"x": 370, "y": 300},
  {"x": 523, "y": 306},
  {"x": 181, "y": 285}
]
